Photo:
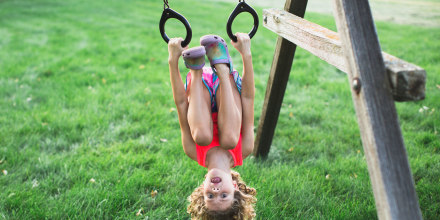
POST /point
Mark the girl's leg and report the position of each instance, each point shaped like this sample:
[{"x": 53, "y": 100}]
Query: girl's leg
[
  {"x": 229, "y": 108},
  {"x": 199, "y": 110}
]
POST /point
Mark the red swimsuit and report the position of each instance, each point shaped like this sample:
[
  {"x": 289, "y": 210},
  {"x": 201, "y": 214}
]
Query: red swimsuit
[{"x": 203, "y": 150}]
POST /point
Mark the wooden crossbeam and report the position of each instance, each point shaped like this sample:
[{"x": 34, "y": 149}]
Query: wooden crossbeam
[
  {"x": 388, "y": 166},
  {"x": 407, "y": 80}
]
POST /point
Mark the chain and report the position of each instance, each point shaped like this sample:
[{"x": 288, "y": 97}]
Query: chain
[{"x": 165, "y": 4}]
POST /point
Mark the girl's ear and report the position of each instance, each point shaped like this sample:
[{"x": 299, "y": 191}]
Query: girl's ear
[{"x": 235, "y": 185}]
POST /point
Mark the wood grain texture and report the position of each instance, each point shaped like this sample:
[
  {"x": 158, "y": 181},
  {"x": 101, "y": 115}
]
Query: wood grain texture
[
  {"x": 390, "y": 174},
  {"x": 408, "y": 80},
  {"x": 276, "y": 85}
]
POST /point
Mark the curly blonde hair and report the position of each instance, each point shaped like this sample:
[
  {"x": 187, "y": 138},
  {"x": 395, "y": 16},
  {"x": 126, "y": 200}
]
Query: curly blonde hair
[{"x": 242, "y": 206}]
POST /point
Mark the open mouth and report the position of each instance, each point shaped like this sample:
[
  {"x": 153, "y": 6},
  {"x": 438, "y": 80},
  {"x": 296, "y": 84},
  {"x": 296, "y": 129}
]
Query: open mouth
[{"x": 216, "y": 180}]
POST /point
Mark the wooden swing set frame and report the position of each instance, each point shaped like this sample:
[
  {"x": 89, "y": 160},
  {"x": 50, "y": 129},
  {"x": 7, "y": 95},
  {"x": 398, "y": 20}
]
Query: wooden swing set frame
[{"x": 376, "y": 80}]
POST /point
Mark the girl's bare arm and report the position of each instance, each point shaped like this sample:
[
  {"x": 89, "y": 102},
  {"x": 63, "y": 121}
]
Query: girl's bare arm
[
  {"x": 247, "y": 93},
  {"x": 180, "y": 96}
]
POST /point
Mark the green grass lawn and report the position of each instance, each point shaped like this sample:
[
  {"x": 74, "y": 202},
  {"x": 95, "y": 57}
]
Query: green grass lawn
[{"x": 88, "y": 127}]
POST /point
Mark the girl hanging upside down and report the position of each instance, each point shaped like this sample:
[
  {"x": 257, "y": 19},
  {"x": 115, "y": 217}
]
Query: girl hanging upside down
[{"x": 216, "y": 115}]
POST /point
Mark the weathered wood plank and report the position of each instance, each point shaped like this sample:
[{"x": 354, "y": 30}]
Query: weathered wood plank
[
  {"x": 276, "y": 85},
  {"x": 390, "y": 174},
  {"x": 408, "y": 80},
  {"x": 316, "y": 39}
]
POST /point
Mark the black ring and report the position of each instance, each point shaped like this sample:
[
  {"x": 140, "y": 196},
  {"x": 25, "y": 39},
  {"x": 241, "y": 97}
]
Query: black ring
[
  {"x": 169, "y": 13},
  {"x": 242, "y": 7}
]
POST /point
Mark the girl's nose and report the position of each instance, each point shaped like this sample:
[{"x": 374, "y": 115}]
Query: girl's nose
[{"x": 216, "y": 189}]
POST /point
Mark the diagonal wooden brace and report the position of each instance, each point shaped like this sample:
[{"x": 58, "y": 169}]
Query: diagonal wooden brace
[
  {"x": 388, "y": 166},
  {"x": 276, "y": 85}
]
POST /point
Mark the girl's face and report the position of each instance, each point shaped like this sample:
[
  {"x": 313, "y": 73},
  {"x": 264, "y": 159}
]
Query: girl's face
[{"x": 218, "y": 190}]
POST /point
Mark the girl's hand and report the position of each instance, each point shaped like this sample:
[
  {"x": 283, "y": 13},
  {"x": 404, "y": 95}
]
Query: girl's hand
[
  {"x": 243, "y": 44},
  {"x": 175, "y": 49}
]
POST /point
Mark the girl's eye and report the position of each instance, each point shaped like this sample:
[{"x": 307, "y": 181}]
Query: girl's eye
[
  {"x": 210, "y": 196},
  {"x": 224, "y": 195}
]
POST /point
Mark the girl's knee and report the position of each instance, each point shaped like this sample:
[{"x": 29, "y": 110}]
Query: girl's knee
[
  {"x": 229, "y": 141},
  {"x": 202, "y": 137}
]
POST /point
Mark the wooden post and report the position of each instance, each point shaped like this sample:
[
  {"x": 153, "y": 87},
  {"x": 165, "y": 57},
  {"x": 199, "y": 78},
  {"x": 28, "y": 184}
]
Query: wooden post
[
  {"x": 276, "y": 85},
  {"x": 390, "y": 174}
]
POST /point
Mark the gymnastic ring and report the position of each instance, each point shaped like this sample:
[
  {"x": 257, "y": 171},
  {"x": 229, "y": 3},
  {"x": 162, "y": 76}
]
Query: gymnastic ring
[
  {"x": 242, "y": 7},
  {"x": 170, "y": 13}
]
